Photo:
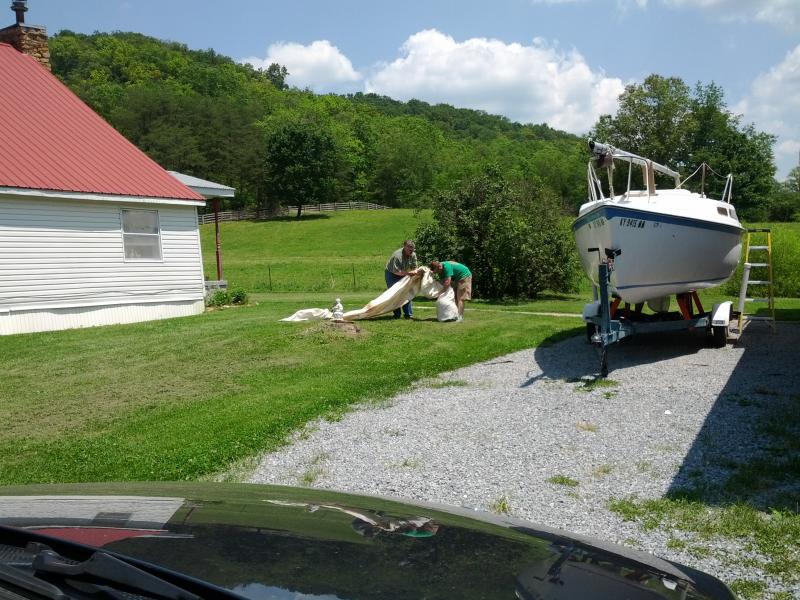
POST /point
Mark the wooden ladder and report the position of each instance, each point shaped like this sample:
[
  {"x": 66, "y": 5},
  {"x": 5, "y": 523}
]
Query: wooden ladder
[{"x": 763, "y": 251}]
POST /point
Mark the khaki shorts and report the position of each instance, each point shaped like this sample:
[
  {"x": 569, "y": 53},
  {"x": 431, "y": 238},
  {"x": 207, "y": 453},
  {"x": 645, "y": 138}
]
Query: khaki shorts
[{"x": 463, "y": 289}]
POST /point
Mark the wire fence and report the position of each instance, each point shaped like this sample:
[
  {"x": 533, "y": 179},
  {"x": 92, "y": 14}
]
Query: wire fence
[{"x": 253, "y": 215}]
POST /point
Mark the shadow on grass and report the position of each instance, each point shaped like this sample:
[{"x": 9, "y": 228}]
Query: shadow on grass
[
  {"x": 748, "y": 450},
  {"x": 783, "y": 314}
]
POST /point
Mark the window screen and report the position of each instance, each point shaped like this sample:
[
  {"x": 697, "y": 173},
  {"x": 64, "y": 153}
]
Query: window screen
[{"x": 141, "y": 236}]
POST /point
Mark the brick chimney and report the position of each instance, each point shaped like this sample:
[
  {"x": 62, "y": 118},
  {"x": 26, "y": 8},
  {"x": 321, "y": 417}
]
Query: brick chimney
[{"x": 28, "y": 39}]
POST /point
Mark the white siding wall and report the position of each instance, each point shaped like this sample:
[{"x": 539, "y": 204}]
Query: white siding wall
[{"x": 62, "y": 259}]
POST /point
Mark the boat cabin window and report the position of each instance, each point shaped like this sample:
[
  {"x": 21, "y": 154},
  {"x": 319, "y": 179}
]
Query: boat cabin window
[{"x": 722, "y": 211}]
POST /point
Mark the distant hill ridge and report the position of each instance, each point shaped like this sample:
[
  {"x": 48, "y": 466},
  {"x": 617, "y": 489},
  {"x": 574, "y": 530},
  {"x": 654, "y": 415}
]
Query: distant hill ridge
[{"x": 204, "y": 114}]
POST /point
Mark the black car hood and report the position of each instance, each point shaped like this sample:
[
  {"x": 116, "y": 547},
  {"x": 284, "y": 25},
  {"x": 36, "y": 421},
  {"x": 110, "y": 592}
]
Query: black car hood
[{"x": 270, "y": 542}]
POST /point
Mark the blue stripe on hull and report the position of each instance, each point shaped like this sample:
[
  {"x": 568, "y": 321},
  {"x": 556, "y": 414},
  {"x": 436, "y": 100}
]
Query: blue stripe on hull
[{"x": 611, "y": 211}]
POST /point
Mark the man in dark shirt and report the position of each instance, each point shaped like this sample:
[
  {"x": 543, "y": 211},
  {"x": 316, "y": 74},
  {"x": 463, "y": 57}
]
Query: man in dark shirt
[{"x": 402, "y": 262}]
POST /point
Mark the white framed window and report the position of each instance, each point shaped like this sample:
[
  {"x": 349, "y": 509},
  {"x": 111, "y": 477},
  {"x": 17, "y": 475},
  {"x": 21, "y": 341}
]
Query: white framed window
[{"x": 141, "y": 234}]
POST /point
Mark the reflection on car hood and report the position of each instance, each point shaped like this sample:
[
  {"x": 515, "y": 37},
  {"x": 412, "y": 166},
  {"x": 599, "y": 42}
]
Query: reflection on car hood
[{"x": 288, "y": 543}]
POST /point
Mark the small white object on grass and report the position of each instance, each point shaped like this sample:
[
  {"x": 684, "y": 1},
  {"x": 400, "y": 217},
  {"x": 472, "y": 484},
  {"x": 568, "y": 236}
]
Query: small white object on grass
[{"x": 338, "y": 310}]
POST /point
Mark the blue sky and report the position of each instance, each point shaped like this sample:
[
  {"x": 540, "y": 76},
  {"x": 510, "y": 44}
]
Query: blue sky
[{"x": 563, "y": 62}]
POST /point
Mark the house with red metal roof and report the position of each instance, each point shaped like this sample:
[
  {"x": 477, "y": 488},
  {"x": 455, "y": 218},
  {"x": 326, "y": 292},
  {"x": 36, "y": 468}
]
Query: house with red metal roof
[{"x": 92, "y": 231}]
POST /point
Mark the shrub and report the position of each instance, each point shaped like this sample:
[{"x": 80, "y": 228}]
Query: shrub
[
  {"x": 227, "y": 297},
  {"x": 238, "y": 296},
  {"x": 218, "y": 298},
  {"x": 784, "y": 206},
  {"x": 511, "y": 236}
]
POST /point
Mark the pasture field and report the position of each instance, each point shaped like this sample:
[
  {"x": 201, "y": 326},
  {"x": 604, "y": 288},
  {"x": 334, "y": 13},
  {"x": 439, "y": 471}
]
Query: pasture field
[
  {"x": 317, "y": 253},
  {"x": 785, "y": 260}
]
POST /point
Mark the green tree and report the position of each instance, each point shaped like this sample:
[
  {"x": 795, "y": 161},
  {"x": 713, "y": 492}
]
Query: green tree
[
  {"x": 203, "y": 114},
  {"x": 405, "y": 161},
  {"x": 299, "y": 166},
  {"x": 664, "y": 120},
  {"x": 719, "y": 139},
  {"x": 784, "y": 204},
  {"x": 792, "y": 182},
  {"x": 654, "y": 119},
  {"x": 277, "y": 74},
  {"x": 510, "y": 235}
]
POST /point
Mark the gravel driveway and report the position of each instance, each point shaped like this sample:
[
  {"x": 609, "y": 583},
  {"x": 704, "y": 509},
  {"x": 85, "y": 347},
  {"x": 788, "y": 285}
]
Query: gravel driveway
[{"x": 501, "y": 430}]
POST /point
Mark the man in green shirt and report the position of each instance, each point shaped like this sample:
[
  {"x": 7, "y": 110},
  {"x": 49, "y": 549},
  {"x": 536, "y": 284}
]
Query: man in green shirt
[
  {"x": 402, "y": 262},
  {"x": 458, "y": 276}
]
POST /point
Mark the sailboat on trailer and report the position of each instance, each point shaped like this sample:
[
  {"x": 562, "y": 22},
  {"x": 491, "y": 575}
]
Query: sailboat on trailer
[{"x": 662, "y": 242}]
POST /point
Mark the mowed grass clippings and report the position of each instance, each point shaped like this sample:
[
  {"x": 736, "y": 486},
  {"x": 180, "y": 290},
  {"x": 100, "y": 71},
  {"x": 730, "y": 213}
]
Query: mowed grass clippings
[{"x": 184, "y": 398}]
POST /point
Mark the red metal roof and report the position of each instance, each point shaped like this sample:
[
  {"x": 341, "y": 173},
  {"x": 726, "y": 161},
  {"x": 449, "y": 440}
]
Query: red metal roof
[{"x": 51, "y": 140}]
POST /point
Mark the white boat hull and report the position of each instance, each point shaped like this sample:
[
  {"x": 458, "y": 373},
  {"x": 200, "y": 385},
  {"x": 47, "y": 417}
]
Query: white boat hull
[{"x": 673, "y": 243}]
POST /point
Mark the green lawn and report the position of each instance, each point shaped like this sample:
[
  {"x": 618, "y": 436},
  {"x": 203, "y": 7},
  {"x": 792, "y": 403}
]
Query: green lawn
[
  {"x": 184, "y": 398},
  {"x": 337, "y": 252}
]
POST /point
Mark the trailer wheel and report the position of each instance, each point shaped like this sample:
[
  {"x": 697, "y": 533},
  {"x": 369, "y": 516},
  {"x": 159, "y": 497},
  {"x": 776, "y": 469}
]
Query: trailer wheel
[
  {"x": 720, "y": 333},
  {"x": 589, "y": 332}
]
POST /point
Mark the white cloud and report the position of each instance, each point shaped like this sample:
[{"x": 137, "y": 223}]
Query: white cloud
[
  {"x": 531, "y": 84},
  {"x": 783, "y": 13},
  {"x": 319, "y": 66},
  {"x": 774, "y": 105}
]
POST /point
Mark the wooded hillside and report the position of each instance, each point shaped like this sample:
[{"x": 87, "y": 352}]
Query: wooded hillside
[{"x": 203, "y": 114}]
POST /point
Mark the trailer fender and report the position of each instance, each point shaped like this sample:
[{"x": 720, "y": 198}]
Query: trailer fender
[
  {"x": 591, "y": 311},
  {"x": 721, "y": 314}
]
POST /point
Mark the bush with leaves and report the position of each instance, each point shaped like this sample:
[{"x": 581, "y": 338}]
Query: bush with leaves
[
  {"x": 510, "y": 235},
  {"x": 227, "y": 297}
]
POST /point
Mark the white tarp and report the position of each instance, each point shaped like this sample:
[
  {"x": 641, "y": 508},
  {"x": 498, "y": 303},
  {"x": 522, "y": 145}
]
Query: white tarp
[{"x": 421, "y": 284}]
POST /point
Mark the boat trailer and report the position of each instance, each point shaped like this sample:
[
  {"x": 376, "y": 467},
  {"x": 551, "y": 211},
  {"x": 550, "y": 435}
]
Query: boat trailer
[{"x": 607, "y": 324}]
